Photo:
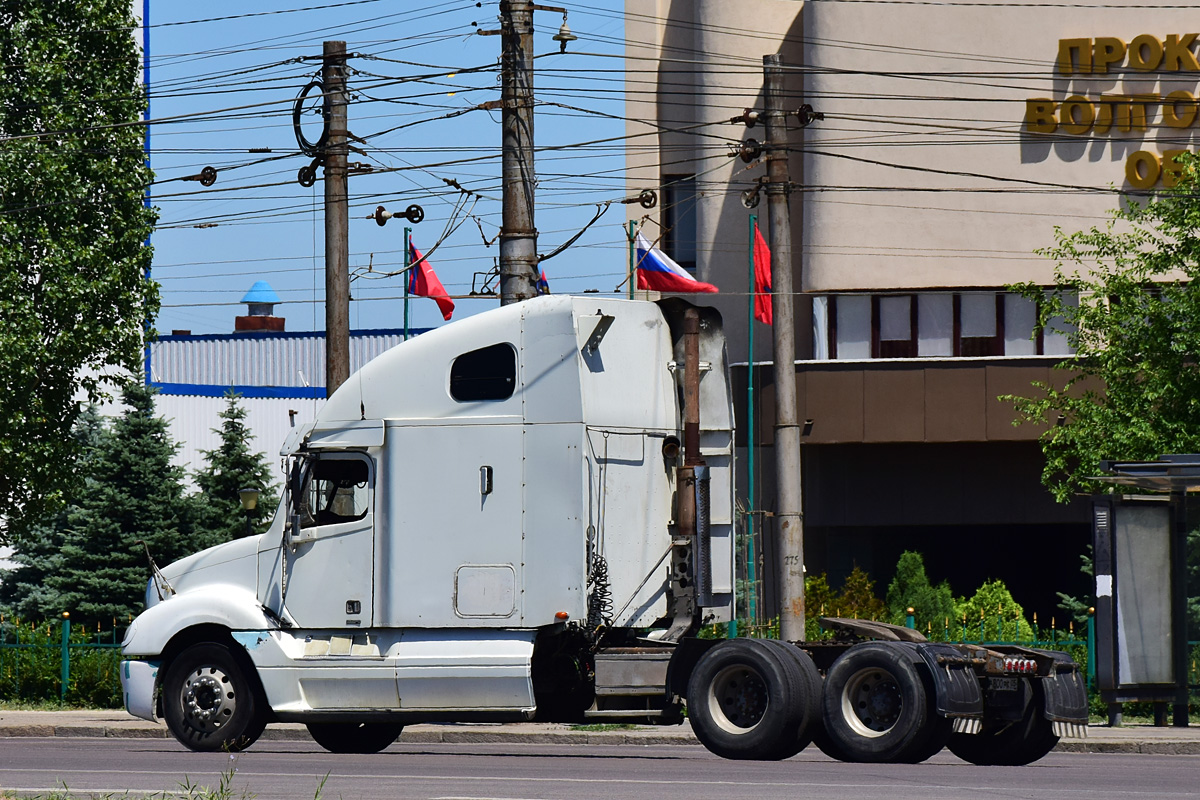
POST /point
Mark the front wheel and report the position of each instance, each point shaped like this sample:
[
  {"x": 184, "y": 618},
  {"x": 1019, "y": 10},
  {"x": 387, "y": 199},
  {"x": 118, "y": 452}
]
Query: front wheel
[
  {"x": 354, "y": 737},
  {"x": 744, "y": 701},
  {"x": 211, "y": 700}
]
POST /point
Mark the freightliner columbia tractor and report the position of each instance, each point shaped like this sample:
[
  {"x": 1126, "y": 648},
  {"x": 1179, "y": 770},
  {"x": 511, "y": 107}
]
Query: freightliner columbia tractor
[{"x": 528, "y": 515}]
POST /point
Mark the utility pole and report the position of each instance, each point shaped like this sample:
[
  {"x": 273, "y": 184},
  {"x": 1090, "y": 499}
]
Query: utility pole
[
  {"x": 518, "y": 236},
  {"x": 337, "y": 242},
  {"x": 788, "y": 515}
]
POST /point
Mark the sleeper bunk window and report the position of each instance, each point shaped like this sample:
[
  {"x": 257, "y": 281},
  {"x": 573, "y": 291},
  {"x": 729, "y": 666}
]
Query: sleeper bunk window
[{"x": 489, "y": 373}]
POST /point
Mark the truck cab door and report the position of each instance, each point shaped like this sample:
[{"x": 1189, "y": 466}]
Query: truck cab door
[{"x": 329, "y": 575}]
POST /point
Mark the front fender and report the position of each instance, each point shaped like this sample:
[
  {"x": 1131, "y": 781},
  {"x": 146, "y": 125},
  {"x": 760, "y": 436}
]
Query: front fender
[{"x": 231, "y": 607}]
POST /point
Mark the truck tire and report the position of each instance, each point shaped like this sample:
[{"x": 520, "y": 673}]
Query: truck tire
[
  {"x": 212, "y": 701},
  {"x": 877, "y": 708},
  {"x": 744, "y": 701},
  {"x": 1010, "y": 745},
  {"x": 809, "y": 703},
  {"x": 354, "y": 737}
]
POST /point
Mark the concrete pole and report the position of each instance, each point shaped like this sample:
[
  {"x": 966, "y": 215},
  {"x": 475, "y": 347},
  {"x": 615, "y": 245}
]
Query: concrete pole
[
  {"x": 518, "y": 236},
  {"x": 788, "y": 517},
  {"x": 337, "y": 243}
]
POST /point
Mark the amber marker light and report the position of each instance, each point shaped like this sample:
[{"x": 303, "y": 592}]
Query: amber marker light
[{"x": 561, "y": 616}]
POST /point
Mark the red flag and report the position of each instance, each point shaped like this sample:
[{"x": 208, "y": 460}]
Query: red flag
[
  {"x": 762, "y": 279},
  {"x": 424, "y": 283}
]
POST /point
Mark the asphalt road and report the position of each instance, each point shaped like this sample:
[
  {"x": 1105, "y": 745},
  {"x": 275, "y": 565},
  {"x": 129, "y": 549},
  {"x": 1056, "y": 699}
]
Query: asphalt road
[{"x": 294, "y": 770}]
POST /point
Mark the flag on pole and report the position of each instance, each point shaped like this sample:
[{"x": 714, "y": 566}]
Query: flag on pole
[
  {"x": 656, "y": 271},
  {"x": 424, "y": 283},
  {"x": 543, "y": 285},
  {"x": 762, "y": 279}
]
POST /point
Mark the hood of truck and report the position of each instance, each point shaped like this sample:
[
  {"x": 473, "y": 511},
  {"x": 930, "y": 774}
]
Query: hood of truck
[{"x": 231, "y": 564}]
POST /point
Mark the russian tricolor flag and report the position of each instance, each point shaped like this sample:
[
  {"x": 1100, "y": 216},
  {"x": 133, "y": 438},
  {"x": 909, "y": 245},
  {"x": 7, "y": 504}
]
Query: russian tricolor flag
[{"x": 657, "y": 272}]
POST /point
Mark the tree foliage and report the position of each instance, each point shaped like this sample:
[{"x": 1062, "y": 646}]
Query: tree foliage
[
  {"x": 910, "y": 588},
  {"x": 25, "y": 591},
  {"x": 229, "y": 468},
  {"x": 73, "y": 227},
  {"x": 1128, "y": 299},
  {"x": 133, "y": 494},
  {"x": 999, "y": 616}
]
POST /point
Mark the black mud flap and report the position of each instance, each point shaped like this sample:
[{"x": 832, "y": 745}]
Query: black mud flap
[
  {"x": 1066, "y": 697},
  {"x": 958, "y": 693}
]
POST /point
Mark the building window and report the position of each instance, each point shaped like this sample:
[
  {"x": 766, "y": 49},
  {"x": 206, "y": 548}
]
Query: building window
[
  {"x": 980, "y": 322},
  {"x": 932, "y": 325},
  {"x": 489, "y": 373},
  {"x": 893, "y": 326},
  {"x": 679, "y": 219}
]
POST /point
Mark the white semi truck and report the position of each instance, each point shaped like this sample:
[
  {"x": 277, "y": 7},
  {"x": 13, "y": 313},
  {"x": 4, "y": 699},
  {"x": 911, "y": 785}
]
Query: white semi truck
[{"x": 528, "y": 515}]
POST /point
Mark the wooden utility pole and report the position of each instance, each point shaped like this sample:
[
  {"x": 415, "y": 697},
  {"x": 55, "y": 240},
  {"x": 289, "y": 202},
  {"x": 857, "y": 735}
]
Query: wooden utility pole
[
  {"x": 789, "y": 518},
  {"x": 518, "y": 236},
  {"x": 337, "y": 242}
]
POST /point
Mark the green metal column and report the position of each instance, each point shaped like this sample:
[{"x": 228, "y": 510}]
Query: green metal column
[
  {"x": 407, "y": 276},
  {"x": 66, "y": 655},
  {"x": 633, "y": 258}
]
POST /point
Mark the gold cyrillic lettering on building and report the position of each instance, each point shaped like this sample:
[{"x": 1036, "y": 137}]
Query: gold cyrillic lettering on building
[
  {"x": 1039, "y": 115},
  {"x": 1145, "y": 52},
  {"x": 1130, "y": 111},
  {"x": 1142, "y": 169},
  {"x": 1172, "y": 170},
  {"x": 1076, "y": 115},
  {"x": 1179, "y": 109},
  {"x": 1072, "y": 52},
  {"x": 1104, "y": 116},
  {"x": 1107, "y": 50},
  {"x": 1178, "y": 55}
]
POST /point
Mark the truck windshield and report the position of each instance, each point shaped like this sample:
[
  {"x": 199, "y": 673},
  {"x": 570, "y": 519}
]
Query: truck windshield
[{"x": 336, "y": 490}]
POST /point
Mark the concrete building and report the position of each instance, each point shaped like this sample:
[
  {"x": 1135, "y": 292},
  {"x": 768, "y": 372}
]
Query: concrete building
[{"x": 956, "y": 136}]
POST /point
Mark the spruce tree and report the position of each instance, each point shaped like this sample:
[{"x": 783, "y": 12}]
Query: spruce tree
[
  {"x": 229, "y": 468},
  {"x": 910, "y": 588},
  {"x": 133, "y": 494},
  {"x": 24, "y": 591}
]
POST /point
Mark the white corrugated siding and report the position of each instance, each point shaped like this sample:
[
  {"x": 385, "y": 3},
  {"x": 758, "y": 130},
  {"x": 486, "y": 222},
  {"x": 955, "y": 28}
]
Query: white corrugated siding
[
  {"x": 192, "y": 420},
  {"x": 258, "y": 360}
]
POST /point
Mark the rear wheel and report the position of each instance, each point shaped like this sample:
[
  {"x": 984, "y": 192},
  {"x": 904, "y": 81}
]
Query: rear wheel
[
  {"x": 877, "y": 708},
  {"x": 1010, "y": 744},
  {"x": 354, "y": 737},
  {"x": 211, "y": 700},
  {"x": 809, "y": 703},
  {"x": 744, "y": 701}
]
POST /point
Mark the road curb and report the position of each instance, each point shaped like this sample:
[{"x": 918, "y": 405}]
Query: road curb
[{"x": 450, "y": 734}]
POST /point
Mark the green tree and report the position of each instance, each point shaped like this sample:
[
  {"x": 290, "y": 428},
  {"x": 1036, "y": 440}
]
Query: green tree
[
  {"x": 1128, "y": 299},
  {"x": 993, "y": 608},
  {"x": 910, "y": 588},
  {"x": 857, "y": 598},
  {"x": 133, "y": 494},
  {"x": 229, "y": 468},
  {"x": 24, "y": 591},
  {"x": 73, "y": 227}
]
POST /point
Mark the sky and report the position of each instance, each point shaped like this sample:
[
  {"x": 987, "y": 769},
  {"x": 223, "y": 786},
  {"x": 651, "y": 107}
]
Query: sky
[{"x": 223, "y": 80}]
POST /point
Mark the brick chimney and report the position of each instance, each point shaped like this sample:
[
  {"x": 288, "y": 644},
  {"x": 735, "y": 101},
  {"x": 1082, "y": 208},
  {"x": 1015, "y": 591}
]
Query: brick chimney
[{"x": 260, "y": 303}]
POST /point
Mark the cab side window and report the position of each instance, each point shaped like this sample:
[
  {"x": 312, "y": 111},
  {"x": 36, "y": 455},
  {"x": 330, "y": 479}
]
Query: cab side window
[
  {"x": 336, "y": 490},
  {"x": 489, "y": 373}
]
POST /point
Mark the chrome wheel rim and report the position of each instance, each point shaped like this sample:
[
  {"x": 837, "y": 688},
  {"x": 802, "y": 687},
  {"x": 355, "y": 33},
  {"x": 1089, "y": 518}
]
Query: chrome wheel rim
[
  {"x": 872, "y": 702},
  {"x": 208, "y": 699},
  {"x": 738, "y": 699}
]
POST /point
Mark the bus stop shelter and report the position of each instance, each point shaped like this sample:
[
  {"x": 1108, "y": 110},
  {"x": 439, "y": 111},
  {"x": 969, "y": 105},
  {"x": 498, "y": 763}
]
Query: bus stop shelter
[{"x": 1141, "y": 570}]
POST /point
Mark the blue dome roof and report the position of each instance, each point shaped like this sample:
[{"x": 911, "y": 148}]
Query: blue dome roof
[{"x": 261, "y": 292}]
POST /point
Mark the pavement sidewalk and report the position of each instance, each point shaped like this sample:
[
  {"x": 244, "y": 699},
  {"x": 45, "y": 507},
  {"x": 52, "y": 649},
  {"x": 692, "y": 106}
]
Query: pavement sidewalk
[{"x": 118, "y": 724}]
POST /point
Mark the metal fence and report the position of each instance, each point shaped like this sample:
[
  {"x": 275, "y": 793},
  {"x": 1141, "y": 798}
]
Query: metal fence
[{"x": 35, "y": 657}]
